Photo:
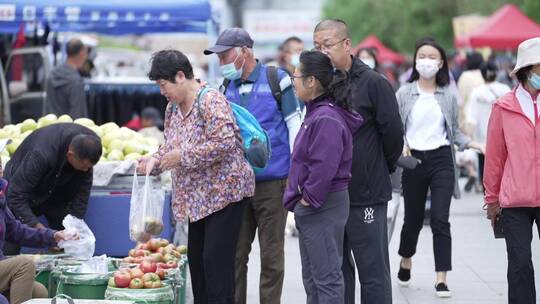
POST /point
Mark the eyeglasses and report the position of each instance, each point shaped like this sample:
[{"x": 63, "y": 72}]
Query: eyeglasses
[{"x": 325, "y": 47}]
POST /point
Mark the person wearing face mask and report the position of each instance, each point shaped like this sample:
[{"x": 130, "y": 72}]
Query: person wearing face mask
[
  {"x": 290, "y": 54},
  {"x": 317, "y": 190},
  {"x": 511, "y": 180},
  {"x": 377, "y": 146},
  {"x": 250, "y": 86},
  {"x": 368, "y": 56},
  {"x": 429, "y": 114}
]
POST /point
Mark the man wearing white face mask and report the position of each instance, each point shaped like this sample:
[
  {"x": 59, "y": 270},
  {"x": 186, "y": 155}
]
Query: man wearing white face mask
[
  {"x": 429, "y": 113},
  {"x": 268, "y": 94},
  {"x": 291, "y": 49}
]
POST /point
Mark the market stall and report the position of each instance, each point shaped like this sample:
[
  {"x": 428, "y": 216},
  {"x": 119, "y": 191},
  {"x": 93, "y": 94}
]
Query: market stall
[
  {"x": 112, "y": 101},
  {"x": 504, "y": 30}
]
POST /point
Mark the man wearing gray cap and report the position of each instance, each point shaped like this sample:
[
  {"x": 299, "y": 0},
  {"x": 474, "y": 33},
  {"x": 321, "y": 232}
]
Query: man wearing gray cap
[{"x": 267, "y": 93}]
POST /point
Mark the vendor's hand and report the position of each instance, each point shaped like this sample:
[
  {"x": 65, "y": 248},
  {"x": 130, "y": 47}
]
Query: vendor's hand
[
  {"x": 146, "y": 164},
  {"x": 40, "y": 226},
  {"x": 493, "y": 210},
  {"x": 406, "y": 151},
  {"x": 170, "y": 160},
  {"x": 64, "y": 236}
]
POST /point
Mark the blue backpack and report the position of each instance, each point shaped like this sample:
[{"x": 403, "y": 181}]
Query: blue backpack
[{"x": 255, "y": 140}]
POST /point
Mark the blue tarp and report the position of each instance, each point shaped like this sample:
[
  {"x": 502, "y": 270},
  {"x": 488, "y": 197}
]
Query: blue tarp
[{"x": 114, "y": 17}]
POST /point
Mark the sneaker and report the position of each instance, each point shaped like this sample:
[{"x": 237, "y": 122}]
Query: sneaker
[
  {"x": 442, "y": 291},
  {"x": 404, "y": 276}
]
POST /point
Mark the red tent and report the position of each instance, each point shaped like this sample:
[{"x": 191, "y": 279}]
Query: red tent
[
  {"x": 504, "y": 30},
  {"x": 384, "y": 54}
]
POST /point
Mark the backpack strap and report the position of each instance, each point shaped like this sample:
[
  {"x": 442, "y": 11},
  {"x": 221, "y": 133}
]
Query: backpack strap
[
  {"x": 273, "y": 81},
  {"x": 224, "y": 86}
]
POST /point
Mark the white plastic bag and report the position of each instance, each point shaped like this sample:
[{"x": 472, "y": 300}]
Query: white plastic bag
[
  {"x": 82, "y": 248},
  {"x": 146, "y": 211}
]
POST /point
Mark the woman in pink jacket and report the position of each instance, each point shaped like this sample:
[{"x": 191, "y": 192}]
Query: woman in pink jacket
[{"x": 512, "y": 170}]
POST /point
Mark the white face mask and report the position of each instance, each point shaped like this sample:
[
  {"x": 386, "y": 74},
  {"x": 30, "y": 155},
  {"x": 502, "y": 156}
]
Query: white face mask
[
  {"x": 427, "y": 68},
  {"x": 295, "y": 60},
  {"x": 370, "y": 62}
]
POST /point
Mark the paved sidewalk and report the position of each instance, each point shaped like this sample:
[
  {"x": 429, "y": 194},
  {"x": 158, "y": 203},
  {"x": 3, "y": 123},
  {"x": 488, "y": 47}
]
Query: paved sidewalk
[{"x": 479, "y": 263}]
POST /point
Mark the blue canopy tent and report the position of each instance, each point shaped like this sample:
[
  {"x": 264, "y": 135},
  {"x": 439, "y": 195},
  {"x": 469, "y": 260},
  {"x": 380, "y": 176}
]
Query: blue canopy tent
[{"x": 113, "y": 17}]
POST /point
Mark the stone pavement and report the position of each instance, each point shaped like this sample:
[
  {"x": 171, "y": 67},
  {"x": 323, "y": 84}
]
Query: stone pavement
[{"x": 479, "y": 263}]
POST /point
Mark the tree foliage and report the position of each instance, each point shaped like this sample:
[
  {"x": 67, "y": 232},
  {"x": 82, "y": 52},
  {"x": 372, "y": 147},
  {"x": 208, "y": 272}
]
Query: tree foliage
[{"x": 399, "y": 24}]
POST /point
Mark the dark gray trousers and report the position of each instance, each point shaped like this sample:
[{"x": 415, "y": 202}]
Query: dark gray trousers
[
  {"x": 366, "y": 235},
  {"x": 320, "y": 237}
]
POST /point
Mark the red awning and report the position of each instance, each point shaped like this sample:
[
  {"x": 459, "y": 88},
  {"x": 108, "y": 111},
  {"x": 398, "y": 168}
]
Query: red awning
[
  {"x": 504, "y": 30},
  {"x": 384, "y": 54}
]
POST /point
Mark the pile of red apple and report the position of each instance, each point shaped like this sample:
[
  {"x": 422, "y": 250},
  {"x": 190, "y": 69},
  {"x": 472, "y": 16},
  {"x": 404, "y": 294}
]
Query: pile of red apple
[
  {"x": 159, "y": 251},
  {"x": 147, "y": 275}
]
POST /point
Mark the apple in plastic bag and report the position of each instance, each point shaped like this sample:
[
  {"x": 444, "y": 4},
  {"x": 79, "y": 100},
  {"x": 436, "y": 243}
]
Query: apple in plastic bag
[{"x": 153, "y": 225}]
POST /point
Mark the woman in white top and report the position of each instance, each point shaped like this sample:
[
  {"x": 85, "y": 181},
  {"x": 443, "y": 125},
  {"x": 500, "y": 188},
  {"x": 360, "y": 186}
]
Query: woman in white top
[
  {"x": 479, "y": 109},
  {"x": 429, "y": 114}
]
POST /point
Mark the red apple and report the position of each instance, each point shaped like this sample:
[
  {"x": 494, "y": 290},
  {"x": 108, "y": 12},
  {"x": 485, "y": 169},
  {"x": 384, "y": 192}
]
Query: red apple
[
  {"x": 136, "y": 273},
  {"x": 172, "y": 264},
  {"x": 182, "y": 249},
  {"x": 169, "y": 257},
  {"x": 128, "y": 259},
  {"x": 158, "y": 257},
  {"x": 161, "y": 273},
  {"x": 136, "y": 284},
  {"x": 151, "y": 280},
  {"x": 122, "y": 279},
  {"x": 137, "y": 260},
  {"x": 161, "y": 250},
  {"x": 111, "y": 282},
  {"x": 163, "y": 242},
  {"x": 145, "y": 246},
  {"x": 162, "y": 266},
  {"x": 154, "y": 244},
  {"x": 147, "y": 266},
  {"x": 141, "y": 253}
]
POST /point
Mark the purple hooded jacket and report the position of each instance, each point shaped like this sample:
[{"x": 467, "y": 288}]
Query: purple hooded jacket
[
  {"x": 322, "y": 154},
  {"x": 13, "y": 231}
]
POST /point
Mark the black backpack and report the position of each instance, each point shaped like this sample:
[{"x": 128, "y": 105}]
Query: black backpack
[{"x": 273, "y": 82}]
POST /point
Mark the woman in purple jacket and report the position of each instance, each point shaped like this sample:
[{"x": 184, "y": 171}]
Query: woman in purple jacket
[
  {"x": 17, "y": 273},
  {"x": 320, "y": 173}
]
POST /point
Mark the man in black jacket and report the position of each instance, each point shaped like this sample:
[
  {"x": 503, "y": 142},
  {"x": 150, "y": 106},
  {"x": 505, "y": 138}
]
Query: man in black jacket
[
  {"x": 51, "y": 174},
  {"x": 377, "y": 146}
]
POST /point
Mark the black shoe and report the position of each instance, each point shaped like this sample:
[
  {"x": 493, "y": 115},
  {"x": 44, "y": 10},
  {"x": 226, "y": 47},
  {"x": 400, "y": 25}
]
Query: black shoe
[
  {"x": 470, "y": 183},
  {"x": 442, "y": 291},
  {"x": 404, "y": 276}
]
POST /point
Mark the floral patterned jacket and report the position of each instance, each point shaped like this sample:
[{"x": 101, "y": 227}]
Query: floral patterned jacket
[{"x": 212, "y": 172}]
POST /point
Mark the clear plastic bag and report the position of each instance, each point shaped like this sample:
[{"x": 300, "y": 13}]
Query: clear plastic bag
[
  {"x": 82, "y": 248},
  {"x": 146, "y": 211}
]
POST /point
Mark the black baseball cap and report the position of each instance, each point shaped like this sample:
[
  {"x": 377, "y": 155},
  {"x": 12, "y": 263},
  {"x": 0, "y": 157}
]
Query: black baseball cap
[{"x": 230, "y": 38}]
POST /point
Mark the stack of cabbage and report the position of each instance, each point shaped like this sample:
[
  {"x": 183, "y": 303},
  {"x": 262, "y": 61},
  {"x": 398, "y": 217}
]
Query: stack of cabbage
[{"x": 118, "y": 143}]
